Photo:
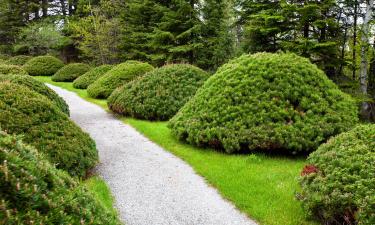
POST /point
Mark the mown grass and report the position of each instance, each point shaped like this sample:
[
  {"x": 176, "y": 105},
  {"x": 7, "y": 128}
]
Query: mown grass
[{"x": 262, "y": 186}]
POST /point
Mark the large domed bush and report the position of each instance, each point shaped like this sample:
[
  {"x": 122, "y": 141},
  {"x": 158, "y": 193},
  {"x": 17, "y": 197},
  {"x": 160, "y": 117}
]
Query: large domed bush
[
  {"x": 70, "y": 72},
  {"x": 39, "y": 87},
  {"x": 11, "y": 69},
  {"x": 270, "y": 102},
  {"x": 338, "y": 184},
  {"x": 18, "y": 60},
  {"x": 116, "y": 77},
  {"x": 159, "y": 94},
  {"x": 91, "y": 76},
  {"x": 32, "y": 191},
  {"x": 43, "y": 65},
  {"x": 43, "y": 125}
]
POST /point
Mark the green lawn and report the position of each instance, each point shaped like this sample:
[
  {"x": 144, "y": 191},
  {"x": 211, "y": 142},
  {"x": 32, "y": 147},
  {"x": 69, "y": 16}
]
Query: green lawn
[{"x": 261, "y": 186}]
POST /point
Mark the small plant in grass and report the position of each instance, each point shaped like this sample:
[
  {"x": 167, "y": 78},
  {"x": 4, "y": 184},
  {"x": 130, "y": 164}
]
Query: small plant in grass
[
  {"x": 43, "y": 65},
  {"x": 270, "y": 102},
  {"x": 11, "y": 69},
  {"x": 70, "y": 72},
  {"x": 18, "y": 60},
  {"x": 44, "y": 126},
  {"x": 32, "y": 191},
  {"x": 339, "y": 181},
  {"x": 91, "y": 76},
  {"x": 116, "y": 77},
  {"x": 159, "y": 94},
  {"x": 39, "y": 87}
]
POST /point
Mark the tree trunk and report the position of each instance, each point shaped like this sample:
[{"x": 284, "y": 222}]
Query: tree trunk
[
  {"x": 364, "y": 47},
  {"x": 354, "y": 39},
  {"x": 342, "y": 57}
]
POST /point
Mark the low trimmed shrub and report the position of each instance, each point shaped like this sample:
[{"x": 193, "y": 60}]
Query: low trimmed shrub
[
  {"x": 339, "y": 181},
  {"x": 159, "y": 94},
  {"x": 70, "y": 72},
  {"x": 91, "y": 76},
  {"x": 39, "y": 87},
  {"x": 116, "y": 77},
  {"x": 43, "y": 65},
  {"x": 265, "y": 101},
  {"x": 44, "y": 126},
  {"x": 11, "y": 69},
  {"x": 18, "y": 60},
  {"x": 32, "y": 191}
]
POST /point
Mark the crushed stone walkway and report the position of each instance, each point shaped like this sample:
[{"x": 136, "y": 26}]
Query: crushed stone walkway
[{"x": 150, "y": 185}]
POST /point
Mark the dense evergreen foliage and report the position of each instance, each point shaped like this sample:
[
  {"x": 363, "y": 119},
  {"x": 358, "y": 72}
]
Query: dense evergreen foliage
[
  {"x": 91, "y": 76},
  {"x": 44, "y": 126},
  {"x": 116, "y": 77},
  {"x": 70, "y": 72},
  {"x": 338, "y": 184},
  {"x": 18, "y": 60},
  {"x": 159, "y": 94},
  {"x": 33, "y": 191},
  {"x": 43, "y": 65},
  {"x": 266, "y": 101},
  {"x": 12, "y": 69},
  {"x": 39, "y": 87}
]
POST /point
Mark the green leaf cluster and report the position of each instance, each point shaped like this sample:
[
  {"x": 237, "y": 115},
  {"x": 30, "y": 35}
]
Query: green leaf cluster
[
  {"x": 44, "y": 126},
  {"x": 11, "y": 69},
  {"x": 265, "y": 101},
  {"x": 18, "y": 60},
  {"x": 32, "y": 191},
  {"x": 82, "y": 82},
  {"x": 341, "y": 190},
  {"x": 159, "y": 94},
  {"x": 70, "y": 72},
  {"x": 38, "y": 87},
  {"x": 43, "y": 65},
  {"x": 116, "y": 77}
]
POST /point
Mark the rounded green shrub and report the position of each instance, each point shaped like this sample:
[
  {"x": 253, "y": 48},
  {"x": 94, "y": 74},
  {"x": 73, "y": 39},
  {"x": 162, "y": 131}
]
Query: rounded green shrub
[
  {"x": 43, "y": 65},
  {"x": 265, "y": 101},
  {"x": 39, "y": 87},
  {"x": 70, "y": 72},
  {"x": 91, "y": 76},
  {"x": 159, "y": 94},
  {"x": 116, "y": 77},
  {"x": 4, "y": 56},
  {"x": 338, "y": 183},
  {"x": 44, "y": 126},
  {"x": 11, "y": 69},
  {"x": 32, "y": 191},
  {"x": 18, "y": 60}
]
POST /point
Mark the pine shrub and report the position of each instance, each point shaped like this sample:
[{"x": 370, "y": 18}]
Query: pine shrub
[
  {"x": 39, "y": 87},
  {"x": 32, "y": 191},
  {"x": 43, "y": 65},
  {"x": 18, "y": 60},
  {"x": 44, "y": 126},
  {"x": 339, "y": 181},
  {"x": 11, "y": 69},
  {"x": 70, "y": 72},
  {"x": 91, "y": 76},
  {"x": 270, "y": 102},
  {"x": 116, "y": 77},
  {"x": 159, "y": 94}
]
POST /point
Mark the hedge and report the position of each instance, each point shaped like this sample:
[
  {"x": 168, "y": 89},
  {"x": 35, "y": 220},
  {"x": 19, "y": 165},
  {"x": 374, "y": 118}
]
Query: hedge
[
  {"x": 159, "y": 94},
  {"x": 339, "y": 181},
  {"x": 268, "y": 102},
  {"x": 43, "y": 65},
  {"x": 11, "y": 69},
  {"x": 18, "y": 60},
  {"x": 116, "y": 77},
  {"x": 39, "y": 87},
  {"x": 70, "y": 72},
  {"x": 32, "y": 191},
  {"x": 91, "y": 76},
  {"x": 44, "y": 126}
]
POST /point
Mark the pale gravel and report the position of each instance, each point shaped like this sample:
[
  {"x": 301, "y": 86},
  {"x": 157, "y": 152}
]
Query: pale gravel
[{"x": 150, "y": 185}]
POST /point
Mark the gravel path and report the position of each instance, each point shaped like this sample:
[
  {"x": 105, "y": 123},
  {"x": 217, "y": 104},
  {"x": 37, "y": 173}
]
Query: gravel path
[{"x": 150, "y": 185}]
